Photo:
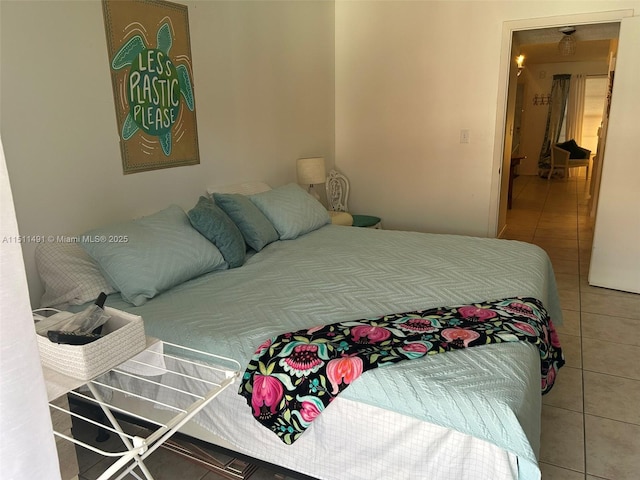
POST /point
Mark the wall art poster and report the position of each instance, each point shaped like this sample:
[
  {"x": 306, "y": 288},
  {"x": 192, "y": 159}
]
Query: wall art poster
[{"x": 152, "y": 77}]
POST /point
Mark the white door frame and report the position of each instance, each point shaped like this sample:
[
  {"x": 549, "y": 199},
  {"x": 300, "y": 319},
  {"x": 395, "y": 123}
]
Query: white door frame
[{"x": 508, "y": 29}]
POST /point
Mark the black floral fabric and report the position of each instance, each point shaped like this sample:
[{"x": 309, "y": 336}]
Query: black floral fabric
[{"x": 293, "y": 377}]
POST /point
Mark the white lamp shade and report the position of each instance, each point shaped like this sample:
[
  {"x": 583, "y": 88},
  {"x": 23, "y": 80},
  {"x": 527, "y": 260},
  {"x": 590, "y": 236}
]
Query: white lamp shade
[{"x": 311, "y": 171}]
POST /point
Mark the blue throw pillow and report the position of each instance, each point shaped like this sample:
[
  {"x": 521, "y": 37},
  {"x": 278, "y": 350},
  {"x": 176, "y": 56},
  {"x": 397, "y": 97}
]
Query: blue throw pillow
[
  {"x": 218, "y": 228},
  {"x": 291, "y": 210},
  {"x": 256, "y": 229},
  {"x": 145, "y": 257}
]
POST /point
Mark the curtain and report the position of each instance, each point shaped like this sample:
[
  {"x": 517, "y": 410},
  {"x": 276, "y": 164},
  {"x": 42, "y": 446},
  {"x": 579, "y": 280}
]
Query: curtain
[
  {"x": 575, "y": 108},
  {"x": 555, "y": 117}
]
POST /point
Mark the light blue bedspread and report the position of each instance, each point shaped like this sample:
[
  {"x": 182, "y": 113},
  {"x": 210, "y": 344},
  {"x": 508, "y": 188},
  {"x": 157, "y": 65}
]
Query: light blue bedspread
[{"x": 341, "y": 273}]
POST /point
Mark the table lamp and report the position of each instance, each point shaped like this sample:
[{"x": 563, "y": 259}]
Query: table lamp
[{"x": 311, "y": 171}]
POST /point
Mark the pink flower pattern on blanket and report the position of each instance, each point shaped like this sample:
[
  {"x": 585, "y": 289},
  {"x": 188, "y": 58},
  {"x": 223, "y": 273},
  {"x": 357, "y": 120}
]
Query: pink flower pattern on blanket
[
  {"x": 267, "y": 393},
  {"x": 343, "y": 370},
  {"x": 369, "y": 334},
  {"x": 293, "y": 377},
  {"x": 460, "y": 336},
  {"x": 471, "y": 312}
]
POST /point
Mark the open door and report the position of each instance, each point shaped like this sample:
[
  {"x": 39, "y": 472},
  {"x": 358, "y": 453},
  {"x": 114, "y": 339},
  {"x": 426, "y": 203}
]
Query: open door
[
  {"x": 505, "y": 183},
  {"x": 506, "y": 101},
  {"x": 615, "y": 256},
  {"x": 596, "y": 175}
]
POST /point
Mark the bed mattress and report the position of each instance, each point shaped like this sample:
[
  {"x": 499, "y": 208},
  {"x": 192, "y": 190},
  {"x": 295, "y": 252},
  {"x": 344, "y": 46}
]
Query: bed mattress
[{"x": 491, "y": 393}]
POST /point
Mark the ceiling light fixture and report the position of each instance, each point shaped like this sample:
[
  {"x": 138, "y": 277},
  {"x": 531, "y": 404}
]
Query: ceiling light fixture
[{"x": 567, "y": 45}]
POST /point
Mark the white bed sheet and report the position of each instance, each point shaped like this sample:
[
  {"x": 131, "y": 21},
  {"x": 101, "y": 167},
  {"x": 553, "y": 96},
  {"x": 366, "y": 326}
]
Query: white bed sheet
[{"x": 350, "y": 440}]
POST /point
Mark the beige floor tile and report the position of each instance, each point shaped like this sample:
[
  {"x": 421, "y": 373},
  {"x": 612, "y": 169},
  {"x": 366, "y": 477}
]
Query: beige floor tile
[
  {"x": 561, "y": 265},
  {"x": 567, "y": 390},
  {"x": 586, "y": 288},
  {"x": 614, "y": 305},
  {"x": 562, "y": 440},
  {"x": 567, "y": 281},
  {"x": 570, "y": 323},
  {"x": 584, "y": 250},
  {"x": 585, "y": 227},
  {"x": 560, "y": 208},
  {"x": 520, "y": 238},
  {"x": 571, "y": 350},
  {"x": 551, "y": 472},
  {"x": 558, "y": 220},
  {"x": 569, "y": 299},
  {"x": 584, "y": 268},
  {"x": 585, "y": 243},
  {"x": 610, "y": 358},
  {"x": 585, "y": 257},
  {"x": 562, "y": 254},
  {"x": 612, "y": 448},
  {"x": 523, "y": 218},
  {"x": 621, "y": 330},
  {"x": 569, "y": 233},
  {"x": 565, "y": 247},
  {"x": 527, "y": 205},
  {"x": 612, "y": 397}
]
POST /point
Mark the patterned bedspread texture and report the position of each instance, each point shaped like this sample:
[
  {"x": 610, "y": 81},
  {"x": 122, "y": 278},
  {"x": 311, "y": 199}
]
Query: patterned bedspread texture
[
  {"x": 294, "y": 377},
  {"x": 338, "y": 274}
]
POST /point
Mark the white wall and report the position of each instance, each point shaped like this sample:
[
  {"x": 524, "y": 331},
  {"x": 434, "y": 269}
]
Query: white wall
[
  {"x": 264, "y": 90},
  {"x": 409, "y": 77}
]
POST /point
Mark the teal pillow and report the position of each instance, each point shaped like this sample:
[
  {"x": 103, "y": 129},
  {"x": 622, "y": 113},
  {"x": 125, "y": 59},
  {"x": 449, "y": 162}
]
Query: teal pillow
[
  {"x": 145, "y": 257},
  {"x": 219, "y": 229},
  {"x": 256, "y": 229},
  {"x": 291, "y": 210}
]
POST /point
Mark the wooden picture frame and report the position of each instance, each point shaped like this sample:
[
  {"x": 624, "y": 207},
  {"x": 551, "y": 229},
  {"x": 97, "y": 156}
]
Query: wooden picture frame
[{"x": 152, "y": 77}]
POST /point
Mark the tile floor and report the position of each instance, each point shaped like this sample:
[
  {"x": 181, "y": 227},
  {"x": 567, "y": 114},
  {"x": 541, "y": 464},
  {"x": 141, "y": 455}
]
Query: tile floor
[{"x": 591, "y": 419}]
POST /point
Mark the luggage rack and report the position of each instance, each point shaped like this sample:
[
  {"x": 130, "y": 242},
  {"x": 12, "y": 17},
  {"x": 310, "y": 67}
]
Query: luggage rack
[{"x": 180, "y": 375}]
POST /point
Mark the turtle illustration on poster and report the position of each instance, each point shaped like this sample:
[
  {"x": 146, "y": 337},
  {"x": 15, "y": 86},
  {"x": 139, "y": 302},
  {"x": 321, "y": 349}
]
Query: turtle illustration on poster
[{"x": 152, "y": 82}]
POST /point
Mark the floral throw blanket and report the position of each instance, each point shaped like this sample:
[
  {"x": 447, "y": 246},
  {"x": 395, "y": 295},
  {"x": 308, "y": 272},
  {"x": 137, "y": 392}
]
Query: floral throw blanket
[{"x": 293, "y": 377}]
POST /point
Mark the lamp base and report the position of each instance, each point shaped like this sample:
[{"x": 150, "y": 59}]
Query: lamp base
[{"x": 312, "y": 191}]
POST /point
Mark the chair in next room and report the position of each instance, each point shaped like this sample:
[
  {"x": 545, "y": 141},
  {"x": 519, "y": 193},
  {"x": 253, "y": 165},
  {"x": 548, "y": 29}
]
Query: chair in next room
[{"x": 569, "y": 155}]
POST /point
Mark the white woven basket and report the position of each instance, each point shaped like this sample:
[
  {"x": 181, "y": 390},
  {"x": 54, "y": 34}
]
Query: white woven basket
[{"x": 124, "y": 338}]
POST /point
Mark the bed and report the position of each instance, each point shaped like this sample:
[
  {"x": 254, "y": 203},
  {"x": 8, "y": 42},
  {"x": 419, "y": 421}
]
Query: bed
[{"x": 467, "y": 414}]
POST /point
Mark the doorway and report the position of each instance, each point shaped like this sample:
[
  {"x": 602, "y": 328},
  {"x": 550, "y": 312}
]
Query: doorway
[
  {"x": 526, "y": 29},
  {"x": 584, "y": 99}
]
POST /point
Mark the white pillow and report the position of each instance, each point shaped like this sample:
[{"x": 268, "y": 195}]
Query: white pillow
[
  {"x": 291, "y": 210},
  {"x": 69, "y": 275}
]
